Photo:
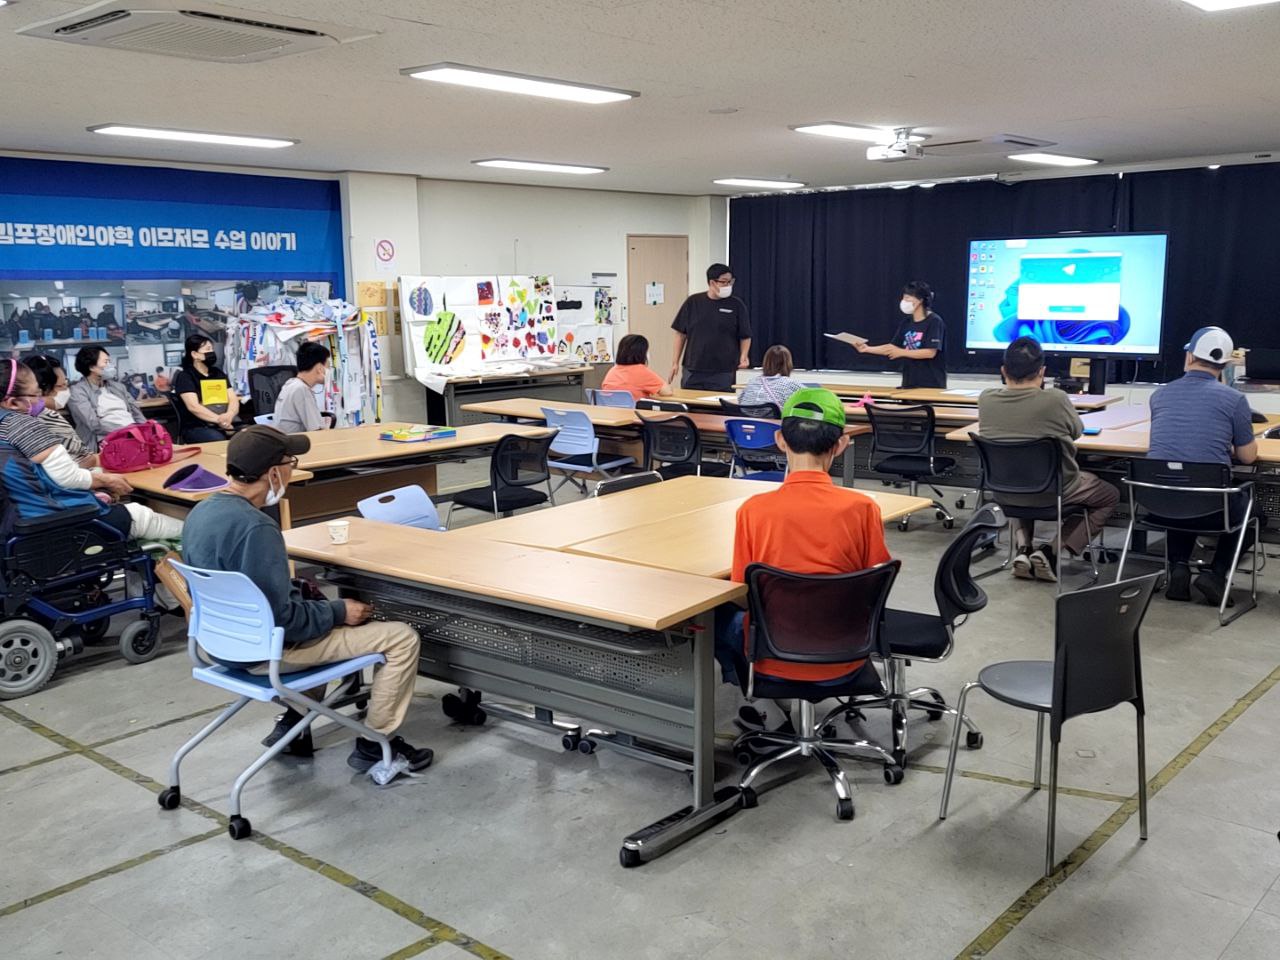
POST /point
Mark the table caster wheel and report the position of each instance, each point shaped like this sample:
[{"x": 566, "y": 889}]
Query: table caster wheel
[
  {"x": 476, "y": 717},
  {"x": 629, "y": 858},
  {"x": 570, "y": 741},
  {"x": 451, "y": 704},
  {"x": 748, "y": 799},
  {"x": 960, "y": 504},
  {"x": 893, "y": 775},
  {"x": 844, "y": 809},
  {"x": 904, "y": 524},
  {"x": 587, "y": 747},
  {"x": 745, "y": 756},
  {"x": 973, "y": 740},
  {"x": 170, "y": 798},
  {"x": 239, "y": 828},
  {"x": 829, "y": 732},
  {"x": 947, "y": 522}
]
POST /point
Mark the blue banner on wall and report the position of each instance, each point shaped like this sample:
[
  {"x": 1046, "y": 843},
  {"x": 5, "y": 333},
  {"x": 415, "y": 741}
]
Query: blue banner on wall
[{"x": 67, "y": 220}]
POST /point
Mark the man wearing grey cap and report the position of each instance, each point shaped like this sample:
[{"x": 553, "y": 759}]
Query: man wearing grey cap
[
  {"x": 229, "y": 531},
  {"x": 1199, "y": 419}
]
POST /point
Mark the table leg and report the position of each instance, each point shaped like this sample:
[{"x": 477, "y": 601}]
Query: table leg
[
  {"x": 850, "y": 462},
  {"x": 710, "y": 806}
]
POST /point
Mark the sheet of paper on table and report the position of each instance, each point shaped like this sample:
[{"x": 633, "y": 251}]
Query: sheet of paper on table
[{"x": 852, "y": 339}]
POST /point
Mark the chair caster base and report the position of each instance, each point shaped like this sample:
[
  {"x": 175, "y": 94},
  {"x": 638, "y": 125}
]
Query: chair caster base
[
  {"x": 170, "y": 798},
  {"x": 570, "y": 742},
  {"x": 844, "y": 809},
  {"x": 893, "y": 774},
  {"x": 749, "y": 799},
  {"x": 586, "y": 747},
  {"x": 464, "y": 707},
  {"x": 239, "y": 828},
  {"x": 973, "y": 740}
]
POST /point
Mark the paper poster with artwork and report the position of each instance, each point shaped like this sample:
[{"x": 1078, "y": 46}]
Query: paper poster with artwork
[
  {"x": 526, "y": 325},
  {"x": 589, "y": 342},
  {"x": 578, "y": 303}
]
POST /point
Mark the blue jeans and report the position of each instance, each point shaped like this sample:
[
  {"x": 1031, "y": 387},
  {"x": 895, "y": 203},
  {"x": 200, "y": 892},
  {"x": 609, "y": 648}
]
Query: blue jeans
[{"x": 729, "y": 637}]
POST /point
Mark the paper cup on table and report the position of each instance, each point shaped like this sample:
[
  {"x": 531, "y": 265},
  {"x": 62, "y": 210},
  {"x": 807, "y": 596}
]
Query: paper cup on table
[{"x": 339, "y": 530}]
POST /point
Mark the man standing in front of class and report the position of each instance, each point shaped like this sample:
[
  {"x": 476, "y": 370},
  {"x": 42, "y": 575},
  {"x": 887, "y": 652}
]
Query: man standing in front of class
[{"x": 713, "y": 335}]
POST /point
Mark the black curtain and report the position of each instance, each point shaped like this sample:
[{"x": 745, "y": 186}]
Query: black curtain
[{"x": 813, "y": 263}]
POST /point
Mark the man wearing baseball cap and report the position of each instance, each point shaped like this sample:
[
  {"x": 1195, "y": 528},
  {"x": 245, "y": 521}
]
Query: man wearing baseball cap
[
  {"x": 229, "y": 531},
  {"x": 1199, "y": 419},
  {"x": 808, "y": 525}
]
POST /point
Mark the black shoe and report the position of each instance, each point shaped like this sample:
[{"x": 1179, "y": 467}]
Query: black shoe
[
  {"x": 1044, "y": 563},
  {"x": 749, "y": 718},
  {"x": 1211, "y": 586},
  {"x": 1179, "y": 586},
  {"x": 369, "y": 752},
  {"x": 300, "y": 746}
]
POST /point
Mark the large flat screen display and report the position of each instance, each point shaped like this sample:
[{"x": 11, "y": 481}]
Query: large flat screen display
[{"x": 1082, "y": 294}]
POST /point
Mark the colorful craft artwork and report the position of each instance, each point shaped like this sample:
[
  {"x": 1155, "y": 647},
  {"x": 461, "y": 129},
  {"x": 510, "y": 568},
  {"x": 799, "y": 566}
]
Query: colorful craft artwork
[
  {"x": 484, "y": 293},
  {"x": 444, "y": 337},
  {"x": 472, "y": 319},
  {"x": 420, "y": 301}
]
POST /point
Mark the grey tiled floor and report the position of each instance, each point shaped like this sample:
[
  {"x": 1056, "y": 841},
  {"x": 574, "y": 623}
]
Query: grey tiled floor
[{"x": 509, "y": 846}]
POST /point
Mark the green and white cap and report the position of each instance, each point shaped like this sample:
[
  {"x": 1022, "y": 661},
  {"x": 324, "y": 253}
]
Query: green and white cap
[{"x": 815, "y": 403}]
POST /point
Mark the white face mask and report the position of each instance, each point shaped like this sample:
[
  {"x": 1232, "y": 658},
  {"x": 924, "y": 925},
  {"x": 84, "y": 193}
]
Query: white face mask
[
  {"x": 274, "y": 496},
  {"x": 725, "y": 292},
  {"x": 108, "y": 372},
  {"x": 906, "y": 306},
  {"x": 62, "y": 398}
]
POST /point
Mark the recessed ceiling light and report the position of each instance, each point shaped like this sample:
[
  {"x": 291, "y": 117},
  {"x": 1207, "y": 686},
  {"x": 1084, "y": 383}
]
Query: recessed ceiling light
[
  {"x": 926, "y": 186},
  {"x": 1215, "y": 166},
  {"x": 538, "y": 166},
  {"x": 759, "y": 184},
  {"x": 190, "y": 136},
  {"x": 58, "y": 285},
  {"x": 1215, "y": 5},
  {"x": 1053, "y": 159},
  {"x": 105, "y": 293},
  {"x": 504, "y": 82},
  {"x": 854, "y": 131}
]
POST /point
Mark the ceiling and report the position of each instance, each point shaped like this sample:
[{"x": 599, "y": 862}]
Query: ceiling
[{"x": 1118, "y": 80}]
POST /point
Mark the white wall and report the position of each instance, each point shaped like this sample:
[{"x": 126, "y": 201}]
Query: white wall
[{"x": 481, "y": 228}]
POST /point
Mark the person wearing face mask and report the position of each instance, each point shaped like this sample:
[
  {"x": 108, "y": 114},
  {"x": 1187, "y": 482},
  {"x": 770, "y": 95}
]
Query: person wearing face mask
[
  {"x": 44, "y": 478},
  {"x": 229, "y": 531},
  {"x": 99, "y": 402},
  {"x": 51, "y": 380},
  {"x": 712, "y": 335},
  {"x": 296, "y": 408},
  {"x": 920, "y": 340},
  {"x": 207, "y": 404}
]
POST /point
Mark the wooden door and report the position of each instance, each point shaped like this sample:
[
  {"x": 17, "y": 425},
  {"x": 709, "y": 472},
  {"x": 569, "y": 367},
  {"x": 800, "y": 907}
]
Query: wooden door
[{"x": 664, "y": 260}]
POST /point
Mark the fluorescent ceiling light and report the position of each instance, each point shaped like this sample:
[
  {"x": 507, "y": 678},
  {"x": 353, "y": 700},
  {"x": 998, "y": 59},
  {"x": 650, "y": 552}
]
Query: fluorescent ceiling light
[
  {"x": 1215, "y": 166},
  {"x": 538, "y": 166},
  {"x": 504, "y": 82},
  {"x": 760, "y": 184},
  {"x": 58, "y": 285},
  {"x": 190, "y": 136},
  {"x": 854, "y": 131},
  {"x": 105, "y": 293},
  {"x": 1215, "y": 5},
  {"x": 1053, "y": 159},
  {"x": 926, "y": 186}
]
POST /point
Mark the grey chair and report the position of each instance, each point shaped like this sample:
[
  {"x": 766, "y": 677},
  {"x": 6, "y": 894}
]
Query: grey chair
[
  {"x": 629, "y": 482},
  {"x": 912, "y": 636},
  {"x": 1097, "y": 665}
]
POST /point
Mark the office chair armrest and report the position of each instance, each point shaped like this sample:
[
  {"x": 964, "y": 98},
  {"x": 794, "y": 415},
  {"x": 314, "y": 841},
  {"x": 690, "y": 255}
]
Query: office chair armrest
[{"x": 72, "y": 517}]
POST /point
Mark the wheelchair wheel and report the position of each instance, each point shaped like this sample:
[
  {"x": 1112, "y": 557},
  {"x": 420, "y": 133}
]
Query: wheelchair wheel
[
  {"x": 140, "y": 641},
  {"x": 28, "y": 656}
]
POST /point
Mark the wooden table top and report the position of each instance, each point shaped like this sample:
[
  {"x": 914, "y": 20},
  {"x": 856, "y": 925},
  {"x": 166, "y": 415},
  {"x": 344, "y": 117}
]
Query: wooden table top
[
  {"x": 151, "y": 482},
  {"x": 1117, "y": 417},
  {"x": 541, "y": 372},
  {"x": 530, "y": 408},
  {"x": 593, "y": 517},
  {"x": 562, "y": 583},
  {"x": 967, "y": 395},
  {"x": 361, "y": 445},
  {"x": 714, "y": 422},
  {"x": 701, "y": 541}
]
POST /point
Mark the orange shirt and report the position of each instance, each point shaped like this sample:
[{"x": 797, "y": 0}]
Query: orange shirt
[
  {"x": 635, "y": 378},
  {"x": 808, "y": 526}
]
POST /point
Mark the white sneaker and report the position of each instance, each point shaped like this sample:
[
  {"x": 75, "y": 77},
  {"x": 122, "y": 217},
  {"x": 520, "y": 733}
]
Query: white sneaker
[{"x": 1022, "y": 565}]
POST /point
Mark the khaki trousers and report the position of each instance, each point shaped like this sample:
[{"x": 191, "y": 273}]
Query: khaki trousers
[
  {"x": 392, "y": 681},
  {"x": 1099, "y": 499}
]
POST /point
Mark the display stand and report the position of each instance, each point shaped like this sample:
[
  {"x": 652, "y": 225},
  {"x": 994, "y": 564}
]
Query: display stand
[
  {"x": 564, "y": 383},
  {"x": 1099, "y": 375}
]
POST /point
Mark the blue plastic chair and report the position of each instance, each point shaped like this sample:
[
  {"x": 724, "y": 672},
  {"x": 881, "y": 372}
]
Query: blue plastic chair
[
  {"x": 231, "y": 623},
  {"x": 755, "y": 449},
  {"x": 407, "y": 506},
  {"x": 576, "y": 449},
  {"x": 611, "y": 398}
]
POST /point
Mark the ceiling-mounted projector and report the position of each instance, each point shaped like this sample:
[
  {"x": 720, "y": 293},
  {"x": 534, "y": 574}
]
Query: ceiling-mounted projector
[{"x": 893, "y": 152}]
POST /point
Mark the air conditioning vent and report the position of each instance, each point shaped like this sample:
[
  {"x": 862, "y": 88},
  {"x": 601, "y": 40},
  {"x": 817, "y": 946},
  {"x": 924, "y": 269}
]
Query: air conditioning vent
[{"x": 212, "y": 32}]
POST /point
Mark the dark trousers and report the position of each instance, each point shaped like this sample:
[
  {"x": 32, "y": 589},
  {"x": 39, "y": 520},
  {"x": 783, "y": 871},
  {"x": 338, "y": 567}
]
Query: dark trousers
[
  {"x": 1182, "y": 543},
  {"x": 203, "y": 435},
  {"x": 701, "y": 380}
]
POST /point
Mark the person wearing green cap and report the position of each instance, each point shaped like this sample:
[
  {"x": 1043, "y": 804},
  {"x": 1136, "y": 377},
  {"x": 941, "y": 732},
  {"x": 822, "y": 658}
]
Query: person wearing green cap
[{"x": 808, "y": 525}]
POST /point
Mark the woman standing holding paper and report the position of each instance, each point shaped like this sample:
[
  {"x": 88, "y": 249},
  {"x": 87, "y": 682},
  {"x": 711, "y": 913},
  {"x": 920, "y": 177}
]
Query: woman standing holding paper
[{"x": 920, "y": 340}]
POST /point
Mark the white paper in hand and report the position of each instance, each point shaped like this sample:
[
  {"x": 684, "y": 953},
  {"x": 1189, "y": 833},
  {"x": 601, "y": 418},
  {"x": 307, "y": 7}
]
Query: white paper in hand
[{"x": 852, "y": 339}]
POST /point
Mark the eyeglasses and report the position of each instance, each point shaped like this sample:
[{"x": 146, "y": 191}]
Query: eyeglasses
[
  {"x": 723, "y": 282},
  {"x": 290, "y": 462}
]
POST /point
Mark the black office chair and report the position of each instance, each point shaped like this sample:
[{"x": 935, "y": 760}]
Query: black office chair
[
  {"x": 671, "y": 406},
  {"x": 676, "y": 445},
  {"x": 1201, "y": 498},
  {"x": 628, "y": 482},
  {"x": 810, "y": 618},
  {"x": 516, "y": 466},
  {"x": 930, "y": 637},
  {"x": 1096, "y": 665},
  {"x": 265, "y": 384},
  {"x": 754, "y": 411},
  {"x": 902, "y": 440},
  {"x": 1025, "y": 478}
]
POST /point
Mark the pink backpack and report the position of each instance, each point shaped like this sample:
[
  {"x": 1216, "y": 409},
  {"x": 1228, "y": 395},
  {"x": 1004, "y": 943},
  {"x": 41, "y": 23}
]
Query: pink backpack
[{"x": 139, "y": 446}]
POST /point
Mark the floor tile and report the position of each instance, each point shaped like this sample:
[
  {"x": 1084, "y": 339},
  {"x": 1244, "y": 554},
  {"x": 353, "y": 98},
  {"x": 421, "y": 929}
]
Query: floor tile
[{"x": 19, "y": 745}]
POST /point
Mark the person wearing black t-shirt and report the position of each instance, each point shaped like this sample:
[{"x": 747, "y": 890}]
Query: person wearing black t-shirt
[
  {"x": 713, "y": 335},
  {"x": 919, "y": 342},
  {"x": 206, "y": 402}
]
